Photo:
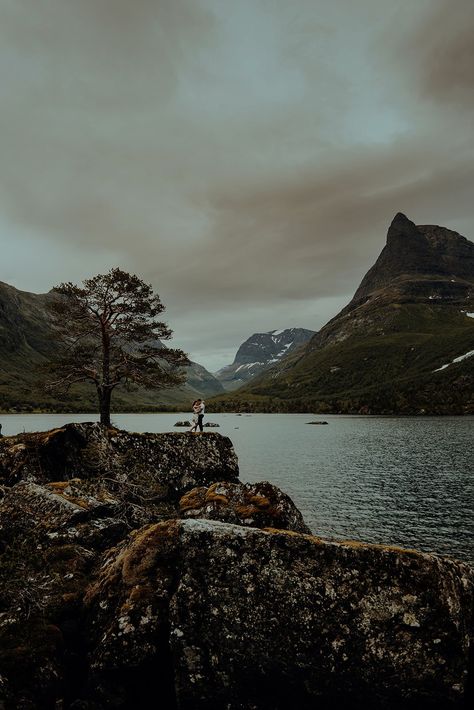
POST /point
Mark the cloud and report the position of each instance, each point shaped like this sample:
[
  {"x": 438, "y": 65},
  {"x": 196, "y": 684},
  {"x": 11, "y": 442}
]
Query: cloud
[
  {"x": 305, "y": 238},
  {"x": 246, "y": 158},
  {"x": 441, "y": 52}
]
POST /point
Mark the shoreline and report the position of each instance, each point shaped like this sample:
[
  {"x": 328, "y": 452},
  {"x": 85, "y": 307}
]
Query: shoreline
[{"x": 185, "y": 410}]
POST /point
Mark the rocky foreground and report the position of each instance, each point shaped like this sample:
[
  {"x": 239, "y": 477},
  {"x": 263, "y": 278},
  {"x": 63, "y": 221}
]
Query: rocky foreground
[{"x": 138, "y": 572}]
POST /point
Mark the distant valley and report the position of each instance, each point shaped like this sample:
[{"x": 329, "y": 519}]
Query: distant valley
[{"x": 27, "y": 343}]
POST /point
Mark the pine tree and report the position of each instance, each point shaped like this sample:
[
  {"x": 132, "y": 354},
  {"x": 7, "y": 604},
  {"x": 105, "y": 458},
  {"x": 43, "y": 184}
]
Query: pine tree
[{"x": 108, "y": 333}]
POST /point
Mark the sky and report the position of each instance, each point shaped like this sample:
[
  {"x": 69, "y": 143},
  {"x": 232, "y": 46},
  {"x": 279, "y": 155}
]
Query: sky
[{"x": 245, "y": 158}]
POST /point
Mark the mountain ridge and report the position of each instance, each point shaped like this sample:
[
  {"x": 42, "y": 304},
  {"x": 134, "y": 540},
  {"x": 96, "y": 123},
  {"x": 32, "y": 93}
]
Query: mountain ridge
[
  {"x": 384, "y": 352},
  {"x": 260, "y": 351}
]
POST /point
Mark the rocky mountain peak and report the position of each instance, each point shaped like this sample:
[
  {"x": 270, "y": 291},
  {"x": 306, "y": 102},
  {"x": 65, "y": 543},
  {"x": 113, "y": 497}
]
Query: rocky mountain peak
[
  {"x": 403, "y": 345},
  {"x": 260, "y": 351},
  {"x": 418, "y": 251},
  {"x": 400, "y": 224},
  {"x": 263, "y": 347}
]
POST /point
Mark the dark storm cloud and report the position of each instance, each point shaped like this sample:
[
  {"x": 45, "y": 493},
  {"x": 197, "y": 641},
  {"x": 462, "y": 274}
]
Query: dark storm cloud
[
  {"x": 441, "y": 51},
  {"x": 246, "y": 158},
  {"x": 305, "y": 238}
]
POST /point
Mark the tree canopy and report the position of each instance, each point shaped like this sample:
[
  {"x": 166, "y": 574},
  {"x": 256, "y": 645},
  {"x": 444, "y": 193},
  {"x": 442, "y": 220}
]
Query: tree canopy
[{"x": 109, "y": 334}]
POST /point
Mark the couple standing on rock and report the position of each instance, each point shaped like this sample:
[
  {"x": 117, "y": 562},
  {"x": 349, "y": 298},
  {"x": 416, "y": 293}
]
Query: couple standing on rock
[{"x": 198, "y": 415}]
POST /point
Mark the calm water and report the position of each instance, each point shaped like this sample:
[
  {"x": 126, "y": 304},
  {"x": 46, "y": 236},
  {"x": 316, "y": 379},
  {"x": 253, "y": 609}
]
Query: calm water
[{"x": 404, "y": 481}]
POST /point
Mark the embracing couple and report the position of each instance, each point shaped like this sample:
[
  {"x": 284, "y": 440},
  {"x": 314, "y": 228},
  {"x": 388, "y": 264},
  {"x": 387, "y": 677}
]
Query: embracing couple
[{"x": 198, "y": 415}]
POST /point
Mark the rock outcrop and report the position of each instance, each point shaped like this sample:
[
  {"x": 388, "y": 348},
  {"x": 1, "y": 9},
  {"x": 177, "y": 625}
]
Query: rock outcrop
[
  {"x": 167, "y": 465},
  {"x": 110, "y": 595},
  {"x": 412, "y": 251},
  {"x": 267, "y": 619},
  {"x": 256, "y": 505}
]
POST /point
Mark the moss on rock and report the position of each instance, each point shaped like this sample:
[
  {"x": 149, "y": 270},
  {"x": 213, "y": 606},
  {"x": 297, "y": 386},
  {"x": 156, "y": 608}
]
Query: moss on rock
[{"x": 257, "y": 505}]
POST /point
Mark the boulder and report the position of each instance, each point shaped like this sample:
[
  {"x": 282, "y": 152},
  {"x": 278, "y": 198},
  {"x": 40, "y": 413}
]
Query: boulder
[
  {"x": 188, "y": 424},
  {"x": 257, "y": 505},
  {"x": 241, "y": 618},
  {"x": 51, "y": 536},
  {"x": 65, "y": 512},
  {"x": 127, "y": 621},
  {"x": 165, "y": 465}
]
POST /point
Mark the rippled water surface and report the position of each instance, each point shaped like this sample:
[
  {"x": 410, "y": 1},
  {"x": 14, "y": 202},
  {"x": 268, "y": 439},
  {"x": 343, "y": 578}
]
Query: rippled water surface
[{"x": 403, "y": 481}]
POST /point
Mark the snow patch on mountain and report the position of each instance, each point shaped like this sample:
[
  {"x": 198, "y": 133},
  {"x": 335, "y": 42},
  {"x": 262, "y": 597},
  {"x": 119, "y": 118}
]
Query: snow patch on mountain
[
  {"x": 260, "y": 351},
  {"x": 248, "y": 365},
  {"x": 456, "y": 359}
]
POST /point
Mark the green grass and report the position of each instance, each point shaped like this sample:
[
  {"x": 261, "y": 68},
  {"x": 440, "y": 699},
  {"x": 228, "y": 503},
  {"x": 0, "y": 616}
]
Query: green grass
[{"x": 388, "y": 372}]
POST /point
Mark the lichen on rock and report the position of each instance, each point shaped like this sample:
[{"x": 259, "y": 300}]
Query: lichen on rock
[
  {"x": 246, "y": 618},
  {"x": 168, "y": 464},
  {"x": 267, "y": 615}
]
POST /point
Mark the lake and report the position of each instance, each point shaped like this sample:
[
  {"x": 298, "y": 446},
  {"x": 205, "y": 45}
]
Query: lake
[{"x": 392, "y": 480}]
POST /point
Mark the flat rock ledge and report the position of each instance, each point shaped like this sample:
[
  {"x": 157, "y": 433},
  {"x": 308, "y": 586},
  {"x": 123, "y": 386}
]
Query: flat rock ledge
[
  {"x": 170, "y": 463},
  {"x": 138, "y": 565}
]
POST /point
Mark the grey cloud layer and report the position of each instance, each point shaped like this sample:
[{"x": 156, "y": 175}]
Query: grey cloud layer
[
  {"x": 441, "y": 51},
  {"x": 244, "y": 157}
]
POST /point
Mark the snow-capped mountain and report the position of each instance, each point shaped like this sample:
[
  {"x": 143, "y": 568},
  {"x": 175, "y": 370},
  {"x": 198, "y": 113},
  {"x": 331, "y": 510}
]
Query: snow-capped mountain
[{"x": 260, "y": 351}]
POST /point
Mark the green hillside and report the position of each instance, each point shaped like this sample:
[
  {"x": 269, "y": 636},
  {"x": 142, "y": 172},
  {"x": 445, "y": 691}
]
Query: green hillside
[
  {"x": 383, "y": 352},
  {"x": 26, "y": 346}
]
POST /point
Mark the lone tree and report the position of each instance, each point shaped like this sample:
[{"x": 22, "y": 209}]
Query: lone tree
[{"x": 109, "y": 334}]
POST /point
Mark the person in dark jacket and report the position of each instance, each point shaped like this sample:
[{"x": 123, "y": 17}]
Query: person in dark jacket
[{"x": 201, "y": 411}]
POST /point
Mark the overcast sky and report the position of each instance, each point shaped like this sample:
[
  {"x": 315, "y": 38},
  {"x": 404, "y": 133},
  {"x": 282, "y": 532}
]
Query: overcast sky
[{"x": 243, "y": 156}]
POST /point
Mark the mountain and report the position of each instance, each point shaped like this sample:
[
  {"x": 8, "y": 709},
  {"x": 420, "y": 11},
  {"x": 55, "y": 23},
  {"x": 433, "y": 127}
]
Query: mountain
[
  {"x": 200, "y": 383},
  {"x": 404, "y": 344},
  {"x": 259, "y": 352},
  {"x": 26, "y": 343}
]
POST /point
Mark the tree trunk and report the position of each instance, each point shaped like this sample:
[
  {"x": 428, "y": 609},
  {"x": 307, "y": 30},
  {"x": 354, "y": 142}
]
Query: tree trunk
[
  {"x": 105, "y": 392},
  {"x": 104, "y": 405}
]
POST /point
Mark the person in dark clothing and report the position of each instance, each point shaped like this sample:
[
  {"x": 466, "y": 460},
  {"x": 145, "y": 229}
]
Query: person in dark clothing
[{"x": 201, "y": 411}]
